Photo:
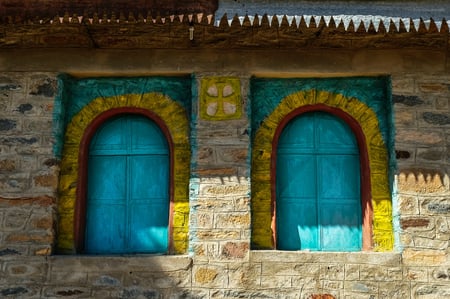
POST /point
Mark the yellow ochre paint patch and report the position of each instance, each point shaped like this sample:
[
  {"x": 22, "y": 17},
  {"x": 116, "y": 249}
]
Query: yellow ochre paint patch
[
  {"x": 220, "y": 98},
  {"x": 174, "y": 116},
  {"x": 382, "y": 238}
]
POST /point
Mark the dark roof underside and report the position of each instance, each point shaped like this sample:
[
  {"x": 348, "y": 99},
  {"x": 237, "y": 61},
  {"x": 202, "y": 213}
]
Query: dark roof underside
[{"x": 21, "y": 10}]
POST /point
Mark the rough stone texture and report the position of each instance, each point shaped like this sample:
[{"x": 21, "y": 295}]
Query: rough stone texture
[{"x": 220, "y": 263}]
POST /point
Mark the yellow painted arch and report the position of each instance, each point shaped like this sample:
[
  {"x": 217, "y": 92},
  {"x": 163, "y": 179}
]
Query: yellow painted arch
[
  {"x": 382, "y": 229},
  {"x": 174, "y": 117}
]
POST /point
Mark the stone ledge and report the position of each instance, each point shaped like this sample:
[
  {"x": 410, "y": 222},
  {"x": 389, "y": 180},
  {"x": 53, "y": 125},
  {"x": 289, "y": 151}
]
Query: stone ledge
[
  {"x": 375, "y": 258},
  {"x": 160, "y": 263}
]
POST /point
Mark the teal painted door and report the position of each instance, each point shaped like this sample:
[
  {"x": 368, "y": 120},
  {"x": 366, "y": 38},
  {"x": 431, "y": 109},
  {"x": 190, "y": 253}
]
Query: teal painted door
[
  {"x": 318, "y": 204},
  {"x": 128, "y": 188}
]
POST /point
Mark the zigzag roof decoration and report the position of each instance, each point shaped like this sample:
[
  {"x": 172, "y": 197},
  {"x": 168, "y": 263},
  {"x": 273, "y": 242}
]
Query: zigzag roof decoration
[
  {"x": 343, "y": 23},
  {"x": 247, "y": 32}
]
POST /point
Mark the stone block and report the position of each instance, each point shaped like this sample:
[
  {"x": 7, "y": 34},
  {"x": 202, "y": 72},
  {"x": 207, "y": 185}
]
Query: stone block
[
  {"x": 438, "y": 205},
  {"x": 433, "y": 87},
  {"x": 228, "y": 155},
  {"x": 442, "y": 103},
  {"x": 329, "y": 271},
  {"x": 401, "y": 85},
  {"x": 279, "y": 281},
  {"x": 442, "y": 228},
  {"x": 415, "y": 222},
  {"x": 437, "y": 119},
  {"x": 42, "y": 85},
  {"x": 24, "y": 272},
  {"x": 407, "y": 100},
  {"x": 408, "y": 205},
  {"x": 40, "y": 126},
  {"x": 7, "y": 165},
  {"x": 363, "y": 286},
  {"x": 405, "y": 118},
  {"x": 41, "y": 222},
  {"x": 421, "y": 137},
  {"x": 244, "y": 275},
  {"x": 14, "y": 183},
  {"x": 109, "y": 280},
  {"x": 373, "y": 273},
  {"x": 47, "y": 180},
  {"x": 434, "y": 154},
  {"x": 225, "y": 190},
  {"x": 30, "y": 238},
  {"x": 19, "y": 291},
  {"x": 395, "y": 290},
  {"x": 235, "y": 250},
  {"x": 415, "y": 274},
  {"x": 440, "y": 274},
  {"x": 28, "y": 163},
  {"x": 68, "y": 278},
  {"x": 15, "y": 219},
  {"x": 153, "y": 279},
  {"x": 210, "y": 276},
  {"x": 74, "y": 291},
  {"x": 212, "y": 249},
  {"x": 232, "y": 220},
  {"x": 217, "y": 235},
  {"x": 431, "y": 291},
  {"x": 205, "y": 155},
  {"x": 202, "y": 220},
  {"x": 291, "y": 268},
  {"x": 351, "y": 272},
  {"x": 428, "y": 243},
  {"x": 415, "y": 257},
  {"x": 395, "y": 274},
  {"x": 332, "y": 286},
  {"x": 8, "y": 126}
]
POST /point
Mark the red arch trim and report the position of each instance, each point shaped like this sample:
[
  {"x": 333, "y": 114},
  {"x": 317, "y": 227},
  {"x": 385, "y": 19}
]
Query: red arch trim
[
  {"x": 366, "y": 191},
  {"x": 80, "y": 205}
]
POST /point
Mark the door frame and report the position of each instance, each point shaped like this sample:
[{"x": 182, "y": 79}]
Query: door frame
[
  {"x": 366, "y": 194},
  {"x": 83, "y": 158}
]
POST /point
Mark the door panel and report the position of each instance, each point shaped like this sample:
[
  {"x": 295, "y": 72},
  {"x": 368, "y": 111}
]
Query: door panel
[
  {"x": 318, "y": 185},
  {"x": 108, "y": 181},
  {"x": 105, "y": 229},
  {"x": 297, "y": 223},
  {"x": 290, "y": 184},
  {"x": 128, "y": 188},
  {"x": 338, "y": 177},
  {"x": 151, "y": 171},
  {"x": 149, "y": 227}
]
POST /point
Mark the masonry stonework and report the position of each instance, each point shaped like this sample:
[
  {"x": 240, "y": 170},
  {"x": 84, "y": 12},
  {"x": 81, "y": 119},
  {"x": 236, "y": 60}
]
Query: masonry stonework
[{"x": 215, "y": 257}]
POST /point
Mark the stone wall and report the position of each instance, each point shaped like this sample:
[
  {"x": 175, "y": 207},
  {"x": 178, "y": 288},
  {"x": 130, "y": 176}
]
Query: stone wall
[{"x": 219, "y": 262}]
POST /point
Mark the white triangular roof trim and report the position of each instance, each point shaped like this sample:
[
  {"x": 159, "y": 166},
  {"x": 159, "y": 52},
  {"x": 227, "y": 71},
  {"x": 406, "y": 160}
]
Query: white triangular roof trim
[{"x": 357, "y": 19}]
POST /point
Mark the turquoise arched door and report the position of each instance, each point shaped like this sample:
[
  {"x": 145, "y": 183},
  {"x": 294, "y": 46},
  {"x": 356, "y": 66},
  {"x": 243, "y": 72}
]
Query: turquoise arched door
[
  {"x": 318, "y": 204},
  {"x": 127, "y": 207}
]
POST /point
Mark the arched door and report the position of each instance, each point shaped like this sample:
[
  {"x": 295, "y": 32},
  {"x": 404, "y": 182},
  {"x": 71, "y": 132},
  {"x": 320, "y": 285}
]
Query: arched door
[
  {"x": 318, "y": 197},
  {"x": 128, "y": 188}
]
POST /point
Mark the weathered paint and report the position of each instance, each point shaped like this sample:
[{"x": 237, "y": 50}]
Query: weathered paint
[
  {"x": 127, "y": 202},
  {"x": 176, "y": 120},
  {"x": 262, "y": 153},
  {"x": 318, "y": 197},
  {"x": 74, "y": 94},
  {"x": 220, "y": 98}
]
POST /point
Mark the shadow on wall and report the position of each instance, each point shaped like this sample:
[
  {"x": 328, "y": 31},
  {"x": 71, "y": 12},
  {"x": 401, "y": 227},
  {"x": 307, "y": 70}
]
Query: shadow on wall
[
  {"x": 423, "y": 181},
  {"x": 119, "y": 276}
]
